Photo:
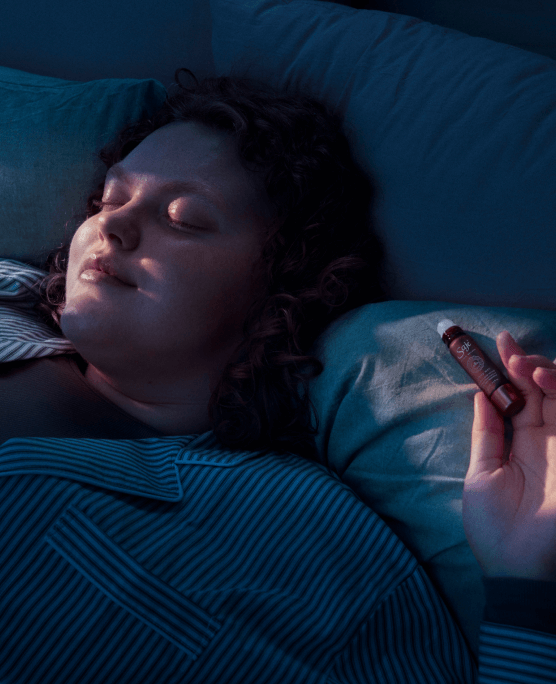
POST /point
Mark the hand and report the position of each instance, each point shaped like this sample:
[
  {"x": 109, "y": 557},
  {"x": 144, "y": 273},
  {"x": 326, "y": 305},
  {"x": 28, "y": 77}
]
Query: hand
[{"x": 509, "y": 509}]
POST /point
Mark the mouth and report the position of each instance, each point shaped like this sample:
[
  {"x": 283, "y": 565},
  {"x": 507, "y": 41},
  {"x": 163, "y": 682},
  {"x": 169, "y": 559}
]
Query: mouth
[
  {"x": 101, "y": 269},
  {"x": 96, "y": 276}
]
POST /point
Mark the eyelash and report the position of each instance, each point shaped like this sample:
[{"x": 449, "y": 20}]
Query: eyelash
[{"x": 182, "y": 224}]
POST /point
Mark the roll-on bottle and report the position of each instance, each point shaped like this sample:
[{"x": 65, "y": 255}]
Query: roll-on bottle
[{"x": 505, "y": 396}]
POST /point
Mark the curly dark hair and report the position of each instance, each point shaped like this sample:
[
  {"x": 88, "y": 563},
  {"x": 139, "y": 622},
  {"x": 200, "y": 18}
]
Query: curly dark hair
[{"x": 320, "y": 260}]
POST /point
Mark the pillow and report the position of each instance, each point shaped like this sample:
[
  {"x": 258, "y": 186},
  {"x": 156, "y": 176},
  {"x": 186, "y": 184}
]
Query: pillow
[
  {"x": 396, "y": 411},
  {"x": 529, "y": 25},
  {"x": 458, "y": 133},
  {"x": 50, "y": 133}
]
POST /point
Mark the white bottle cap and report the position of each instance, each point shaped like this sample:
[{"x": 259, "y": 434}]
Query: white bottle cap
[{"x": 444, "y": 324}]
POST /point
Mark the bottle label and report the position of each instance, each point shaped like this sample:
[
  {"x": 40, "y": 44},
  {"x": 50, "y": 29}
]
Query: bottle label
[{"x": 477, "y": 364}]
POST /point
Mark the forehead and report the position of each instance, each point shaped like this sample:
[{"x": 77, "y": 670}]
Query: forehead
[
  {"x": 174, "y": 147},
  {"x": 192, "y": 152}
]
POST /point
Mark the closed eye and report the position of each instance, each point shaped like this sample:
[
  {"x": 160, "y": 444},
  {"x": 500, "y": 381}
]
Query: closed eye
[{"x": 101, "y": 204}]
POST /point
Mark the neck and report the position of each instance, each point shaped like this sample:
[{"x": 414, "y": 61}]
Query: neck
[{"x": 168, "y": 417}]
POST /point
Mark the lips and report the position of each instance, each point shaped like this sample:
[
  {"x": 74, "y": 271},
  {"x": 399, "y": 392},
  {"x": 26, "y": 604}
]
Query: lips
[{"x": 106, "y": 265}]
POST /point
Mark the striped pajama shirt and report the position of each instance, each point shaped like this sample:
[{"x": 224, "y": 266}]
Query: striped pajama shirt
[{"x": 174, "y": 559}]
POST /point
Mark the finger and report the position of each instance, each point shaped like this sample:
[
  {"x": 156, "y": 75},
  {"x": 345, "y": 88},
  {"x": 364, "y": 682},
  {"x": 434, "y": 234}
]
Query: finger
[
  {"x": 525, "y": 366},
  {"x": 508, "y": 346},
  {"x": 545, "y": 378},
  {"x": 535, "y": 360},
  {"x": 543, "y": 373},
  {"x": 512, "y": 353},
  {"x": 487, "y": 439},
  {"x": 520, "y": 372}
]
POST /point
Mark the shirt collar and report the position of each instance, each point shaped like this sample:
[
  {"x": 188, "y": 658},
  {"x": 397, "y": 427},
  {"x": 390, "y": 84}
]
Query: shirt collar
[{"x": 144, "y": 467}]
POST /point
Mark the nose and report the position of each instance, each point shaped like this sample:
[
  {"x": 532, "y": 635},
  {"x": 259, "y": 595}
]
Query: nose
[{"x": 120, "y": 224}]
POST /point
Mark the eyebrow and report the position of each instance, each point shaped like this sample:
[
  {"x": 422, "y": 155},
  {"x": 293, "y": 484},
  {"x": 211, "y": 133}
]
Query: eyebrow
[{"x": 190, "y": 187}]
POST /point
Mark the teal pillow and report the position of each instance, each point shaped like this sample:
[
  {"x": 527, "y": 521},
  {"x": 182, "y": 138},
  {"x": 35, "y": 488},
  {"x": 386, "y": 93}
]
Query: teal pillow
[
  {"x": 526, "y": 24},
  {"x": 457, "y": 132},
  {"x": 396, "y": 412},
  {"x": 50, "y": 133}
]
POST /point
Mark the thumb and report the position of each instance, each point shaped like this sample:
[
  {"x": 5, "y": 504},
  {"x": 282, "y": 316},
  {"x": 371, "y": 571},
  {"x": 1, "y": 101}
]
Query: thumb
[{"x": 487, "y": 439}]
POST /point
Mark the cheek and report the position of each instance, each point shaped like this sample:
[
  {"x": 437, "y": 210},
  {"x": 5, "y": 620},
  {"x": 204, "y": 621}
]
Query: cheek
[
  {"x": 245, "y": 278},
  {"x": 223, "y": 286},
  {"x": 230, "y": 288}
]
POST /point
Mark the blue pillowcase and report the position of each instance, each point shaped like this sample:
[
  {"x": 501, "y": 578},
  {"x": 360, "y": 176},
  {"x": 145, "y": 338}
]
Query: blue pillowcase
[{"x": 458, "y": 133}]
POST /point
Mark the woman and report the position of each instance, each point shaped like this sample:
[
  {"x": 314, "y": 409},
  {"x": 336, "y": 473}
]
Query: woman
[
  {"x": 168, "y": 529},
  {"x": 291, "y": 205}
]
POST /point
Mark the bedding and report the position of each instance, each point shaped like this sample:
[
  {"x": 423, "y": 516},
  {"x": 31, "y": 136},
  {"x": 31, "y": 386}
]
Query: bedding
[
  {"x": 124, "y": 41},
  {"x": 395, "y": 413},
  {"x": 457, "y": 132}
]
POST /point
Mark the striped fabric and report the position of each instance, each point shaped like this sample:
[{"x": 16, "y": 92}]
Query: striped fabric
[
  {"x": 510, "y": 655},
  {"x": 173, "y": 559},
  {"x": 22, "y": 335}
]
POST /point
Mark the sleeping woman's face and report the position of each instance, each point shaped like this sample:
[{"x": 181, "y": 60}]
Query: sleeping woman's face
[{"x": 184, "y": 225}]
